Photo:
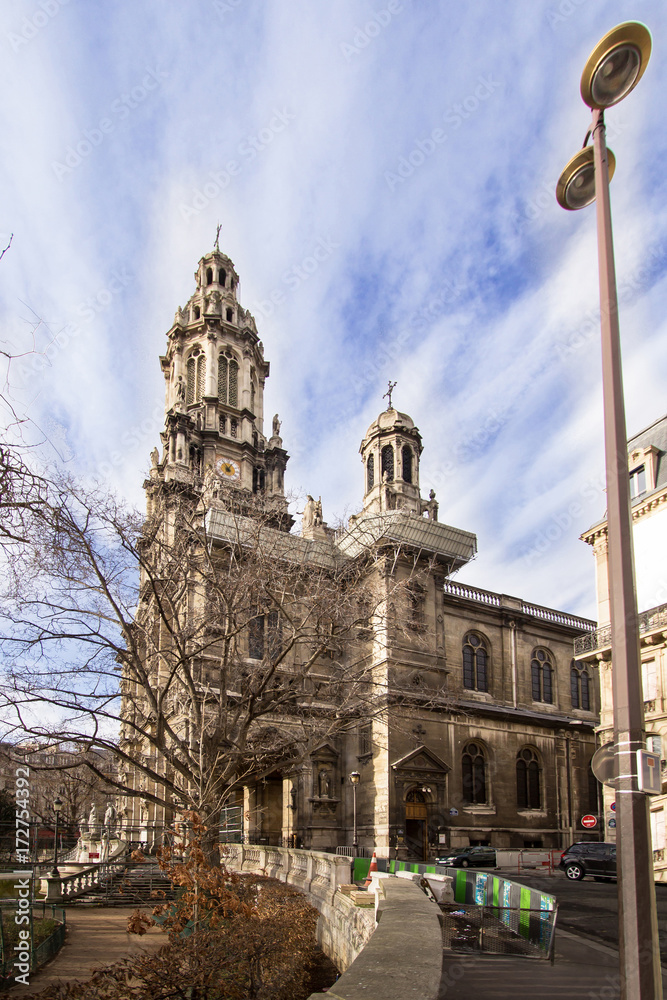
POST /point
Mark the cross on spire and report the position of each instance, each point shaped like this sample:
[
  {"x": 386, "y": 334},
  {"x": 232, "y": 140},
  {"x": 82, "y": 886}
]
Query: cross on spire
[
  {"x": 387, "y": 395},
  {"x": 217, "y": 236}
]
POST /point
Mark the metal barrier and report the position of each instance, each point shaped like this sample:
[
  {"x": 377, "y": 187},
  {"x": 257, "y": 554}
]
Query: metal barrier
[
  {"x": 499, "y": 930},
  {"x": 39, "y": 954}
]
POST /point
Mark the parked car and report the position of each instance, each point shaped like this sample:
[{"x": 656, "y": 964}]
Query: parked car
[
  {"x": 469, "y": 857},
  {"x": 586, "y": 858}
]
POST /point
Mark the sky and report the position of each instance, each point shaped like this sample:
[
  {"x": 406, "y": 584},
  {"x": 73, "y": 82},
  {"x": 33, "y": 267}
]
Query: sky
[{"x": 384, "y": 175}]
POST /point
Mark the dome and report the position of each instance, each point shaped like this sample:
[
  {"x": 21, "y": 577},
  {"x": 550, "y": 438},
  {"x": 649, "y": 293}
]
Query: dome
[{"x": 391, "y": 420}]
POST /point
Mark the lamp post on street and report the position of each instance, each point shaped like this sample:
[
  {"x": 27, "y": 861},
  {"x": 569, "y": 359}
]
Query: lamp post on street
[
  {"x": 355, "y": 778},
  {"x": 57, "y": 806},
  {"x": 614, "y": 68}
]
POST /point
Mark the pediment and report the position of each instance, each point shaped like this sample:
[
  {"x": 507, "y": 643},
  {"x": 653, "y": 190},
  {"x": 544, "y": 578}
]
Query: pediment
[
  {"x": 325, "y": 751},
  {"x": 423, "y": 761}
]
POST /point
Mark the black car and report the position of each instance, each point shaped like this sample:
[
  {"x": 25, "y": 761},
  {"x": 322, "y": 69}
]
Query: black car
[
  {"x": 586, "y": 858},
  {"x": 469, "y": 857}
]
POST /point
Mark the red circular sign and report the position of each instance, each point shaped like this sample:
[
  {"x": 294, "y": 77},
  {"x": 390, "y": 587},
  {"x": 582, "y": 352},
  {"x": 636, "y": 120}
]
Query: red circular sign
[{"x": 589, "y": 822}]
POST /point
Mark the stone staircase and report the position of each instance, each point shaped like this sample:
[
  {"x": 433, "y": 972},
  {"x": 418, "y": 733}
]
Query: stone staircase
[{"x": 133, "y": 885}]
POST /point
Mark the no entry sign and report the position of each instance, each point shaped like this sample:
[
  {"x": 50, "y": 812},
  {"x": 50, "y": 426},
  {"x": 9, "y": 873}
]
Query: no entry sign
[{"x": 589, "y": 822}]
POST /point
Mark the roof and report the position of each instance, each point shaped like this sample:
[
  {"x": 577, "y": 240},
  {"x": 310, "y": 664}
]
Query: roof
[
  {"x": 367, "y": 532},
  {"x": 654, "y": 435}
]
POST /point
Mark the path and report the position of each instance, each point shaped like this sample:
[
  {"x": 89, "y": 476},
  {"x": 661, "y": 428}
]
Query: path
[{"x": 95, "y": 936}]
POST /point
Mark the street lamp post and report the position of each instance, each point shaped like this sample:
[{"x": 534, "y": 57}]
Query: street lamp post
[
  {"x": 57, "y": 806},
  {"x": 355, "y": 778},
  {"x": 613, "y": 69}
]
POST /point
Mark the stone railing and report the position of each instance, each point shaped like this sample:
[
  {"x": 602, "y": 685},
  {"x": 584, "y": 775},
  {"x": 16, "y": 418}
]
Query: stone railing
[
  {"x": 472, "y": 593},
  {"x": 402, "y": 957},
  {"x": 70, "y": 886},
  {"x": 503, "y": 600}
]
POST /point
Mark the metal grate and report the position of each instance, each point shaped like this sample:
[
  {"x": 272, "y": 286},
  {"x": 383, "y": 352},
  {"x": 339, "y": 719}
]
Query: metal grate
[{"x": 498, "y": 930}]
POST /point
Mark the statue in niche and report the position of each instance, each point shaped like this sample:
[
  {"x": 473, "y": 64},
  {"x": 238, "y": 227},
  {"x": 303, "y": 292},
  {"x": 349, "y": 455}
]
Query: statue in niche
[
  {"x": 276, "y": 426},
  {"x": 324, "y": 779},
  {"x": 308, "y": 518},
  {"x": 180, "y": 389},
  {"x": 155, "y": 458}
]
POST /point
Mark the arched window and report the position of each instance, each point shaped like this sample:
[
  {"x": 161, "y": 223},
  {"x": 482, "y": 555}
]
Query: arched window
[
  {"x": 388, "y": 462},
  {"x": 528, "y": 792},
  {"x": 209, "y": 275},
  {"x": 541, "y": 671},
  {"x": 370, "y": 473},
  {"x": 252, "y": 397},
  {"x": 475, "y": 663},
  {"x": 201, "y": 376},
  {"x": 223, "y": 277},
  {"x": 191, "y": 382},
  {"x": 233, "y": 383},
  {"x": 222, "y": 379},
  {"x": 197, "y": 312},
  {"x": 407, "y": 464},
  {"x": 473, "y": 774},
  {"x": 230, "y": 315},
  {"x": 580, "y": 687}
]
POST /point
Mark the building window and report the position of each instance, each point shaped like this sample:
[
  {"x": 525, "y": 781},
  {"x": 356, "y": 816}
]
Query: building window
[
  {"x": 223, "y": 424},
  {"x": 658, "y": 829},
  {"x": 252, "y": 397},
  {"x": 234, "y": 428},
  {"x": 190, "y": 388},
  {"x": 541, "y": 670},
  {"x": 637, "y": 482},
  {"x": 649, "y": 680},
  {"x": 256, "y": 638},
  {"x": 475, "y": 663},
  {"x": 365, "y": 740},
  {"x": 233, "y": 383},
  {"x": 407, "y": 464},
  {"x": 222, "y": 378},
  {"x": 230, "y": 315},
  {"x": 580, "y": 688},
  {"x": 528, "y": 780},
  {"x": 197, "y": 312},
  {"x": 209, "y": 275},
  {"x": 223, "y": 277},
  {"x": 416, "y": 603},
  {"x": 473, "y": 773},
  {"x": 201, "y": 376},
  {"x": 370, "y": 473},
  {"x": 388, "y": 463}
]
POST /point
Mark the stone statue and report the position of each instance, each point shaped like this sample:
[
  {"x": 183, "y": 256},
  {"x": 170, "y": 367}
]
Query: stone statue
[
  {"x": 276, "y": 426},
  {"x": 109, "y": 818},
  {"x": 317, "y": 515},
  {"x": 180, "y": 389},
  {"x": 155, "y": 458},
  {"x": 325, "y": 784},
  {"x": 308, "y": 518},
  {"x": 93, "y": 826}
]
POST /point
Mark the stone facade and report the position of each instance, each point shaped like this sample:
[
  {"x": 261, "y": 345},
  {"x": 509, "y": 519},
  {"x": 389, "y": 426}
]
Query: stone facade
[
  {"x": 480, "y": 742},
  {"x": 647, "y": 466}
]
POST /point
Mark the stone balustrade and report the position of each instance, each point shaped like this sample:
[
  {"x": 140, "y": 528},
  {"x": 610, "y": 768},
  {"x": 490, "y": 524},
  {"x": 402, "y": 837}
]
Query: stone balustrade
[
  {"x": 402, "y": 957},
  {"x": 64, "y": 887}
]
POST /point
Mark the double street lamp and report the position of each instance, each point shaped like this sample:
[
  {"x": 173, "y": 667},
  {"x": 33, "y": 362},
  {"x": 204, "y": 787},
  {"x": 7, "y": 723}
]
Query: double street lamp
[{"x": 614, "y": 68}]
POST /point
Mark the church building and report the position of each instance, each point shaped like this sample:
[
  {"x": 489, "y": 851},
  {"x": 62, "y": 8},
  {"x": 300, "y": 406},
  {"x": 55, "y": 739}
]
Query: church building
[{"x": 485, "y": 739}]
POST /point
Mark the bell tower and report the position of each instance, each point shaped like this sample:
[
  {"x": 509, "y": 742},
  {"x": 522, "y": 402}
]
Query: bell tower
[
  {"x": 390, "y": 452},
  {"x": 215, "y": 373}
]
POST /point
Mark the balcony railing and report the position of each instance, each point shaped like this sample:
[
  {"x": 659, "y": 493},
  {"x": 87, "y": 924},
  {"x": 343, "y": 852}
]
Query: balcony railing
[{"x": 649, "y": 621}]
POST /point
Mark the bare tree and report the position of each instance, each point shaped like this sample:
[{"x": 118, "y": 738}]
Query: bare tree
[{"x": 203, "y": 646}]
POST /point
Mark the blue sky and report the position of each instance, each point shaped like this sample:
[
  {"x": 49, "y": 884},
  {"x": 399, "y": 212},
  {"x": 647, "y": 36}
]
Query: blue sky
[{"x": 417, "y": 145}]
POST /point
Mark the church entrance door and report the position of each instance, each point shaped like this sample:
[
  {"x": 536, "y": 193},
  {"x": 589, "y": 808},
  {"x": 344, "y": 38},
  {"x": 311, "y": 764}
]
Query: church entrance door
[{"x": 416, "y": 815}]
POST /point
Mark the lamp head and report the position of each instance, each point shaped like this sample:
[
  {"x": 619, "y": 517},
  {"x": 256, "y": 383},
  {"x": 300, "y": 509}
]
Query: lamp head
[
  {"x": 576, "y": 184},
  {"x": 355, "y": 777},
  {"x": 616, "y": 65},
  {"x": 57, "y": 805}
]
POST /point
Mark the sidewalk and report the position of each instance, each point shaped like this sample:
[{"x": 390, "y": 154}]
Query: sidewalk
[
  {"x": 583, "y": 969},
  {"x": 95, "y": 936}
]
